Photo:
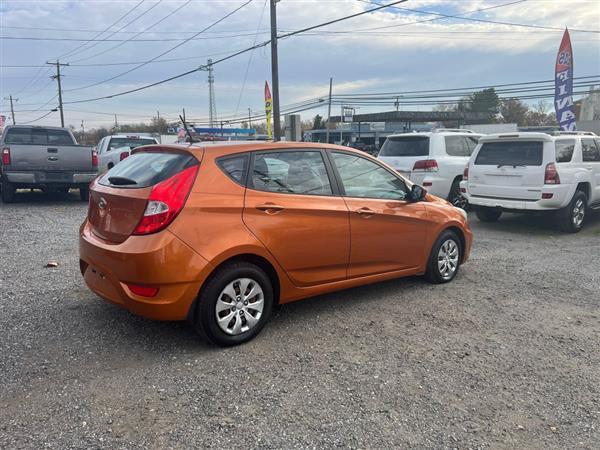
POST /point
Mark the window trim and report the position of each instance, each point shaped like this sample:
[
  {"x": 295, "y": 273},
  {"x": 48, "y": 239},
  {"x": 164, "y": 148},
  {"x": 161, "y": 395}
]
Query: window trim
[
  {"x": 328, "y": 170},
  {"x": 245, "y": 176},
  {"x": 340, "y": 184}
]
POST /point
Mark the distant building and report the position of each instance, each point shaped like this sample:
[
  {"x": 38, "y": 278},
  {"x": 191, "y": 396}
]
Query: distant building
[{"x": 590, "y": 105}]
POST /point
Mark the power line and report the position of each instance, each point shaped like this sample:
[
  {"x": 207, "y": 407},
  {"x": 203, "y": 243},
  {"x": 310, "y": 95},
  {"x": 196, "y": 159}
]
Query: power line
[
  {"x": 226, "y": 16},
  {"x": 461, "y": 16},
  {"x": 39, "y": 118}
]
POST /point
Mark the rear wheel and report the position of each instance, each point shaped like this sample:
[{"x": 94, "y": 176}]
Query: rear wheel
[
  {"x": 455, "y": 197},
  {"x": 84, "y": 193},
  {"x": 571, "y": 219},
  {"x": 445, "y": 258},
  {"x": 8, "y": 192},
  {"x": 234, "y": 305},
  {"x": 486, "y": 214}
]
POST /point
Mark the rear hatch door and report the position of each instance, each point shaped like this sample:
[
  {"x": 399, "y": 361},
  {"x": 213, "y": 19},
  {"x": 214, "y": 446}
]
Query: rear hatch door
[
  {"x": 509, "y": 169},
  {"x": 118, "y": 199},
  {"x": 401, "y": 152}
]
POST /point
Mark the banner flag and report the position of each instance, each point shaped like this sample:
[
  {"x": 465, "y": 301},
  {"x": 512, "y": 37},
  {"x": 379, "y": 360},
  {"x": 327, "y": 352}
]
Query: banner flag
[
  {"x": 563, "y": 85},
  {"x": 268, "y": 109}
]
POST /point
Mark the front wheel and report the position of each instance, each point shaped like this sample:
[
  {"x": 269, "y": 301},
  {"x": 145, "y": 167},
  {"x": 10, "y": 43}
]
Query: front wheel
[
  {"x": 572, "y": 217},
  {"x": 8, "y": 192},
  {"x": 486, "y": 214},
  {"x": 456, "y": 197},
  {"x": 234, "y": 305},
  {"x": 444, "y": 260}
]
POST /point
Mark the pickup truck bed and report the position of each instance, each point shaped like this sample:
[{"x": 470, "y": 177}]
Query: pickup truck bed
[{"x": 46, "y": 158}]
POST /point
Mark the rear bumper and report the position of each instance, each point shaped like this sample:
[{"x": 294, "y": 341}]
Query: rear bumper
[
  {"x": 37, "y": 178},
  {"x": 436, "y": 185},
  {"x": 160, "y": 260},
  {"x": 560, "y": 196}
]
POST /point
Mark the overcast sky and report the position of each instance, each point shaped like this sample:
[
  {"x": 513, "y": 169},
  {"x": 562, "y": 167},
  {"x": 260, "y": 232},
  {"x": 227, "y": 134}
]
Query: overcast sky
[{"x": 438, "y": 54}]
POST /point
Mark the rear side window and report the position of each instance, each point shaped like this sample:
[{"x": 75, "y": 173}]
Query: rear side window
[
  {"x": 301, "y": 172},
  {"x": 589, "y": 151},
  {"x": 564, "y": 150},
  {"x": 235, "y": 167},
  {"x": 38, "y": 136},
  {"x": 457, "y": 146},
  {"x": 405, "y": 146},
  {"x": 511, "y": 153},
  {"x": 146, "y": 169}
]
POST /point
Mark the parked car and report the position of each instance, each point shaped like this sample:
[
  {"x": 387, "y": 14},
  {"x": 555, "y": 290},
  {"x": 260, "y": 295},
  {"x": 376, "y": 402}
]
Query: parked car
[
  {"x": 115, "y": 148},
  {"x": 46, "y": 158},
  {"x": 219, "y": 233},
  {"x": 435, "y": 159},
  {"x": 523, "y": 172}
]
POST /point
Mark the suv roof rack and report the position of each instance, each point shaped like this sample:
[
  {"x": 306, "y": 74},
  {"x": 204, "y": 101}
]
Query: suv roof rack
[
  {"x": 572, "y": 133},
  {"x": 452, "y": 130}
]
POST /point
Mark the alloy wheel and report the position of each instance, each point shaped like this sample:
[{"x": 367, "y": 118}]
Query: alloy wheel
[
  {"x": 578, "y": 213},
  {"x": 448, "y": 259}
]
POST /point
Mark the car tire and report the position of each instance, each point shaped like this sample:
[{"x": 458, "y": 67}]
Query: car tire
[
  {"x": 486, "y": 214},
  {"x": 8, "y": 192},
  {"x": 215, "y": 301},
  {"x": 84, "y": 193},
  {"x": 445, "y": 258},
  {"x": 456, "y": 198},
  {"x": 572, "y": 218}
]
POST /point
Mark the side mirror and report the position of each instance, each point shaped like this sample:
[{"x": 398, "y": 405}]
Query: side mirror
[{"x": 417, "y": 193}]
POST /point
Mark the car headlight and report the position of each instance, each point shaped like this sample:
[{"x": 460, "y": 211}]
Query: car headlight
[{"x": 464, "y": 213}]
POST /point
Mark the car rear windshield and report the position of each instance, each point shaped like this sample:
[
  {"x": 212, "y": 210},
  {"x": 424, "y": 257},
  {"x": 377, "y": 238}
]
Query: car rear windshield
[
  {"x": 146, "y": 169},
  {"x": 38, "y": 136},
  {"x": 511, "y": 153},
  {"x": 129, "y": 142},
  {"x": 405, "y": 146}
]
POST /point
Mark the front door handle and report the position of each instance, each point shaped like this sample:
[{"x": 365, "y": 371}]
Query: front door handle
[
  {"x": 365, "y": 212},
  {"x": 270, "y": 208}
]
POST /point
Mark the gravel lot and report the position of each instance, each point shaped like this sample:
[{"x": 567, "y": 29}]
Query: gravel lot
[{"x": 508, "y": 355}]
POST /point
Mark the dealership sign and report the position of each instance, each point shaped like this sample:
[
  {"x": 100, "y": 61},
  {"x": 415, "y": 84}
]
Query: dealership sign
[{"x": 563, "y": 85}]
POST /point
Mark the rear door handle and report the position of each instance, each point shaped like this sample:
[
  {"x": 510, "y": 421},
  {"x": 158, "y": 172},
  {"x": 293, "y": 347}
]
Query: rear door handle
[
  {"x": 365, "y": 212},
  {"x": 270, "y": 208}
]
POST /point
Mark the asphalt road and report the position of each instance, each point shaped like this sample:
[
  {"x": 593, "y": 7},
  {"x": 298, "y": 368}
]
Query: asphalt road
[{"x": 507, "y": 355}]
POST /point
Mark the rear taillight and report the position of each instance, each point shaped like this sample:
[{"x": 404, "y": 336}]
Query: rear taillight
[
  {"x": 94, "y": 158},
  {"x": 551, "y": 174},
  {"x": 426, "y": 165},
  {"x": 6, "y": 156},
  {"x": 166, "y": 200},
  {"x": 466, "y": 173},
  {"x": 123, "y": 155}
]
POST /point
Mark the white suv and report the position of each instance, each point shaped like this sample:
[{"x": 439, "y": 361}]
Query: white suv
[
  {"x": 435, "y": 159},
  {"x": 535, "y": 172},
  {"x": 115, "y": 148}
]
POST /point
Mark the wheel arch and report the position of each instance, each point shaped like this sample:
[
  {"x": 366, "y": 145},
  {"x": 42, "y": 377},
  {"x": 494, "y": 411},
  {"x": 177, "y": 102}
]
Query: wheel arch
[
  {"x": 461, "y": 237},
  {"x": 586, "y": 188}
]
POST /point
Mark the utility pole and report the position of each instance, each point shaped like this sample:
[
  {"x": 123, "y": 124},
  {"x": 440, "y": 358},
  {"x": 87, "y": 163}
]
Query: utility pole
[
  {"x": 249, "y": 118},
  {"x": 82, "y": 131},
  {"x": 329, "y": 111},
  {"x": 212, "y": 106},
  {"x": 116, "y": 123},
  {"x": 57, "y": 78},
  {"x": 275, "y": 73},
  {"x": 12, "y": 109}
]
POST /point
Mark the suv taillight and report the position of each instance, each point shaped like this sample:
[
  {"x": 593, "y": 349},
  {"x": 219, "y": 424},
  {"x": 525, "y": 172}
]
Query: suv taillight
[
  {"x": 94, "y": 158},
  {"x": 5, "y": 156},
  {"x": 551, "y": 174},
  {"x": 425, "y": 165},
  {"x": 466, "y": 173},
  {"x": 123, "y": 155},
  {"x": 166, "y": 201}
]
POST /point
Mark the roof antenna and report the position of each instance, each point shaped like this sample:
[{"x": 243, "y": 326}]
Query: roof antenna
[{"x": 187, "y": 130}]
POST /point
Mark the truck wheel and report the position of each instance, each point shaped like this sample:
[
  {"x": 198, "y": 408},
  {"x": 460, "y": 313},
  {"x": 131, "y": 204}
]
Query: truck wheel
[
  {"x": 456, "y": 198},
  {"x": 8, "y": 192},
  {"x": 486, "y": 214},
  {"x": 84, "y": 193},
  {"x": 572, "y": 217}
]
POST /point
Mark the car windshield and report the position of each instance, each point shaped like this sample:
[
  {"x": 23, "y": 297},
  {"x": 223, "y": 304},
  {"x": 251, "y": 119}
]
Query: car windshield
[
  {"x": 118, "y": 142},
  {"x": 405, "y": 146},
  {"x": 511, "y": 153}
]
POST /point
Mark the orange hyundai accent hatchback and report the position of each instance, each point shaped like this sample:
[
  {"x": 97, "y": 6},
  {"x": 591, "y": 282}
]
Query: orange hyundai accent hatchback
[{"x": 219, "y": 234}]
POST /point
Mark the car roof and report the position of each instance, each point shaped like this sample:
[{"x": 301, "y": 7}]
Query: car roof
[
  {"x": 232, "y": 147},
  {"x": 525, "y": 135},
  {"x": 441, "y": 132}
]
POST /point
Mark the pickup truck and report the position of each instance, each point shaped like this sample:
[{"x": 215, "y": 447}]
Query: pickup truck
[
  {"x": 46, "y": 158},
  {"x": 115, "y": 148}
]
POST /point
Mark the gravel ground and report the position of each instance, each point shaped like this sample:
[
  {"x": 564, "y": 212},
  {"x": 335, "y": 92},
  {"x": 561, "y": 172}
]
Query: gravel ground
[{"x": 505, "y": 356}]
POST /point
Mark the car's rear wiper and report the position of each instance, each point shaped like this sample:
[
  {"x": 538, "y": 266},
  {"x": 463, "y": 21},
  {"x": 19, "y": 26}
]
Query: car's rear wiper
[
  {"x": 121, "y": 181},
  {"x": 510, "y": 165}
]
